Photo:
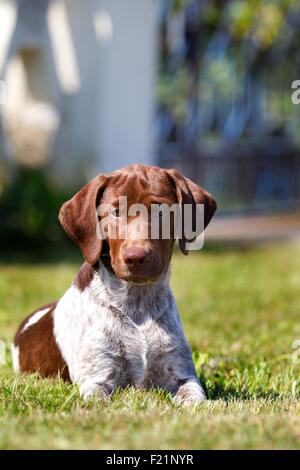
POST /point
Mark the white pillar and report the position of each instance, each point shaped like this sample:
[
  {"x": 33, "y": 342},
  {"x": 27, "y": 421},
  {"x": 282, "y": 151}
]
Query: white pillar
[{"x": 127, "y": 35}]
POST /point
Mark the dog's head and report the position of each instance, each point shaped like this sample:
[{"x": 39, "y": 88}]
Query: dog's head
[{"x": 119, "y": 219}]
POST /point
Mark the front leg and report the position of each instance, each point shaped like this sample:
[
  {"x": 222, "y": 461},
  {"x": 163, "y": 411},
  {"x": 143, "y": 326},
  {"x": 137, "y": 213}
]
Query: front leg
[
  {"x": 181, "y": 377},
  {"x": 92, "y": 388},
  {"x": 190, "y": 392}
]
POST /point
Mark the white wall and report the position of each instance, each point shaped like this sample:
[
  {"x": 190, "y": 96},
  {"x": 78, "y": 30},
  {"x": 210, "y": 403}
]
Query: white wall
[
  {"x": 127, "y": 32},
  {"x": 102, "y": 54}
]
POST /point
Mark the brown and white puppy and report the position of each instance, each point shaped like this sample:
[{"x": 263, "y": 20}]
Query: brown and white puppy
[{"x": 118, "y": 324}]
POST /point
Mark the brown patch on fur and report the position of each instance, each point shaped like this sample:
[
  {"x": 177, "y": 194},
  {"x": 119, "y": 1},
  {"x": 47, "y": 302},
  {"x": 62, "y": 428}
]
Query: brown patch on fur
[
  {"x": 141, "y": 184},
  {"x": 105, "y": 257},
  {"x": 144, "y": 185},
  {"x": 38, "y": 350},
  {"x": 78, "y": 217},
  {"x": 84, "y": 276},
  {"x": 191, "y": 194}
]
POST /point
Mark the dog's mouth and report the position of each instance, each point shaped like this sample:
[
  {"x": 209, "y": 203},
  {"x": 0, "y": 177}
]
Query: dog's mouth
[
  {"x": 138, "y": 274},
  {"x": 139, "y": 280}
]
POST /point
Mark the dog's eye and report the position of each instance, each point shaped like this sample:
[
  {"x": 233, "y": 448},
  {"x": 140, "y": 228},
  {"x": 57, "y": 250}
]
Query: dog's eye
[{"x": 116, "y": 213}]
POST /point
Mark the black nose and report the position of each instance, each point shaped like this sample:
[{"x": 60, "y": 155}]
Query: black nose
[{"x": 136, "y": 256}]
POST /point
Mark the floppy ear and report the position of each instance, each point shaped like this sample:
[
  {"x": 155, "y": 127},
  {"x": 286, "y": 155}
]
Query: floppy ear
[
  {"x": 190, "y": 193},
  {"x": 79, "y": 218}
]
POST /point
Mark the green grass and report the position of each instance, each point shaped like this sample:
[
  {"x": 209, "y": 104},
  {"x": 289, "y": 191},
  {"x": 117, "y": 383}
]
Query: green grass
[{"x": 240, "y": 310}]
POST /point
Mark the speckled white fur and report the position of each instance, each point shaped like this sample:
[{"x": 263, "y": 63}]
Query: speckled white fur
[{"x": 114, "y": 334}]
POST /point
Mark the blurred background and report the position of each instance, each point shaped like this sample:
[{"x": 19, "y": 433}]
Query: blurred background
[{"x": 204, "y": 86}]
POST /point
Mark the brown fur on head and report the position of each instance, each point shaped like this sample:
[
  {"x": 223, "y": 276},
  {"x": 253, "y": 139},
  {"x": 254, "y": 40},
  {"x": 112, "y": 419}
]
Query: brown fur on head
[{"x": 134, "y": 256}]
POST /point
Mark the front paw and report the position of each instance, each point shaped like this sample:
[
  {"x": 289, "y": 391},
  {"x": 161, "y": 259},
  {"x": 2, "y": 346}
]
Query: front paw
[
  {"x": 94, "y": 390},
  {"x": 190, "y": 393}
]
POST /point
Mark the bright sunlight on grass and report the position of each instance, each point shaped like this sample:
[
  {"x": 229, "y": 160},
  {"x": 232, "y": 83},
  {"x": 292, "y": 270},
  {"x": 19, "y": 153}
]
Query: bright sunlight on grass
[{"x": 240, "y": 310}]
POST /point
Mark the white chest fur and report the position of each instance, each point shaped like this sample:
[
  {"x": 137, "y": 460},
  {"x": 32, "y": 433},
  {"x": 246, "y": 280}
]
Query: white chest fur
[{"x": 112, "y": 336}]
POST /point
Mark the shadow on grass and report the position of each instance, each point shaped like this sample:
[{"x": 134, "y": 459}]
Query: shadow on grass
[
  {"x": 243, "y": 380},
  {"x": 229, "y": 393}
]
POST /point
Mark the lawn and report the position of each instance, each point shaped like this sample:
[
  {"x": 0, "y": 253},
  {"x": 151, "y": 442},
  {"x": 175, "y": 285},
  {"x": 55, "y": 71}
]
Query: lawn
[{"x": 240, "y": 310}]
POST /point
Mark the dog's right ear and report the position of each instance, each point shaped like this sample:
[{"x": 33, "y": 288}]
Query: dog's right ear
[
  {"x": 79, "y": 218},
  {"x": 190, "y": 193}
]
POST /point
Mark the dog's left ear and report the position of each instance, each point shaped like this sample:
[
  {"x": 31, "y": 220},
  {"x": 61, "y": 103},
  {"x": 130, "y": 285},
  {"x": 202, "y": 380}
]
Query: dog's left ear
[
  {"x": 190, "y": 193},
  {"x": 79, "y": 218}
]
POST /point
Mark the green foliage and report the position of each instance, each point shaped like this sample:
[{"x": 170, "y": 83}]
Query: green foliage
[
  {"x": 237, "y": 50},
  {"x": 29, "y": 208}
]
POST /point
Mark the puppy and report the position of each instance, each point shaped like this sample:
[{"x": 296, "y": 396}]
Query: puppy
[{"x": 118, "y": 325}]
